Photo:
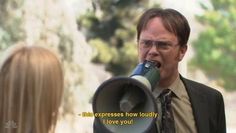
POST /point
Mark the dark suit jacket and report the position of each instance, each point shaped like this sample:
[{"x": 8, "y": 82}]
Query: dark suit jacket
[{"x": 207, "y": 105}]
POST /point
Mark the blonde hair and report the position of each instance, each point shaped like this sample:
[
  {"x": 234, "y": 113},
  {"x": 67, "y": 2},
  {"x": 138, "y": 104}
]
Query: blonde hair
[{"x": 31, "y": 88}]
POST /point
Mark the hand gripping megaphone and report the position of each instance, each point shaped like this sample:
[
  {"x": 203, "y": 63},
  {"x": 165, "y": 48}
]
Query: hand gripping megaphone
[{"x": 126, "y": 104}]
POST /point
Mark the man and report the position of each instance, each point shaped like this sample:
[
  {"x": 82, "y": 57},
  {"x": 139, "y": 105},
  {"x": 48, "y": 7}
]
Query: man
[
  {"x": 184, "y": 106},
  {"x": 162, "y": 36}
]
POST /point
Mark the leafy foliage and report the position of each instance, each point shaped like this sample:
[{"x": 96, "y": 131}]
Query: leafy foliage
[
  {"x": 216, "y": 45},
  {"x": 110, "y": 29},
  {"x": 10, "y": 22}
]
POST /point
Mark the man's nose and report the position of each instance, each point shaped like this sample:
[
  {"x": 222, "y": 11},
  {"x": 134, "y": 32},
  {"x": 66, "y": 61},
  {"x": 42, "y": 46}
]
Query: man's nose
[{"x": 153, "y": 50}]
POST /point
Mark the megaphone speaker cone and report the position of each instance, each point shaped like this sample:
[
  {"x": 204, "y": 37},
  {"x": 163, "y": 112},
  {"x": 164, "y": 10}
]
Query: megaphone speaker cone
[{"x": 110, "y": 103}]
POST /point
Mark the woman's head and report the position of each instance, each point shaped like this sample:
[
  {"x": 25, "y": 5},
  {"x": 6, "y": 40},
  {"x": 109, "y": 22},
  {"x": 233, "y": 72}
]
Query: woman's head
[{"x": 31, "y": 87}]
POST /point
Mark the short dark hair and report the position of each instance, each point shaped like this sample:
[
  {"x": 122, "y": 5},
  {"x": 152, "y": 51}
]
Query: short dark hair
[{"x": 172, "y": 20}]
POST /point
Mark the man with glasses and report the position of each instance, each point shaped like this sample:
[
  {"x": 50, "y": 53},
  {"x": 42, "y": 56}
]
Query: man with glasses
[{"x": 184, "y": 106}]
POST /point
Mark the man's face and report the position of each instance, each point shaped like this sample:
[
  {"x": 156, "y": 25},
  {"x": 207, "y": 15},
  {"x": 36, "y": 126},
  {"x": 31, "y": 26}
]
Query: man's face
[{"x": 157, "y": 44}]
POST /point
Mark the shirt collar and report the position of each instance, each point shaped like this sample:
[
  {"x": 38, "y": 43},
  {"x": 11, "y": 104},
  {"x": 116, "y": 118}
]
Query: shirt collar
[{"x": 175, "y": 87}]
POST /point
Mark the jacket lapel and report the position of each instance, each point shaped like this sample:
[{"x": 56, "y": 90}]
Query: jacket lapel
[{"x": 199, "y": 106}]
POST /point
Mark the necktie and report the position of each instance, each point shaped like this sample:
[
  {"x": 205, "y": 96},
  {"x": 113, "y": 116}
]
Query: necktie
[{"x": 168, "y": 125}]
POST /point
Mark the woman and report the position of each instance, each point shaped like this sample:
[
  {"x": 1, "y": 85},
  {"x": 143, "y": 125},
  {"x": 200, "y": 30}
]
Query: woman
[{"x": 31, "y": 88}]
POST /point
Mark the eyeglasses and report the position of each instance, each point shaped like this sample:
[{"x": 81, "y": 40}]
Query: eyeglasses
[{"x": 161, "y": 45}]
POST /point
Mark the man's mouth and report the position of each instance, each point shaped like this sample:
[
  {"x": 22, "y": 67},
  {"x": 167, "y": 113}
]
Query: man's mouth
[{"x": 157, "y": 63}]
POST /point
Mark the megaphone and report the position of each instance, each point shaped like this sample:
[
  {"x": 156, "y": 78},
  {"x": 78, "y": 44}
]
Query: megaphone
[{"x": 126, "y": 104}]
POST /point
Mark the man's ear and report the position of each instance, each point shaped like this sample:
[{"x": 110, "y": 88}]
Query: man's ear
[{"x": 182, "y": 52}]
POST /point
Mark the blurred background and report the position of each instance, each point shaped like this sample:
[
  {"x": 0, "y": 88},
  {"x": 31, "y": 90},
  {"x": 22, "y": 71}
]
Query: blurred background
[{"x": 96, "y": 39}]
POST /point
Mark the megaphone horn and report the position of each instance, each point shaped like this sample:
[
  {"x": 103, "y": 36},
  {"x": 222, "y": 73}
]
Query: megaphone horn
[{"x": 126, "y": 95}]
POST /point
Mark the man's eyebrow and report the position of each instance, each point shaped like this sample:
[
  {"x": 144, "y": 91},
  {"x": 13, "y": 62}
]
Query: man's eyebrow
[{"x": 166, "y": 41}]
